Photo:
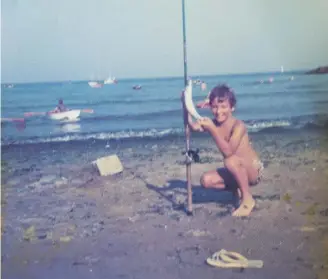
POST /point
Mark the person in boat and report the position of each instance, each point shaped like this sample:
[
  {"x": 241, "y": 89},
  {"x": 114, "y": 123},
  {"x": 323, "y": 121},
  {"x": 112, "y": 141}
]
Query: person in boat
[
  {"x": 60, "y": 107},
  {"x": 242, "y": 166}
]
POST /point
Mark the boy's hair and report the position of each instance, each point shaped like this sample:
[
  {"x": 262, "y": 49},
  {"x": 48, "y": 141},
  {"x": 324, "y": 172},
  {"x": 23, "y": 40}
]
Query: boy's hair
[{"x": 223, "y": 92}]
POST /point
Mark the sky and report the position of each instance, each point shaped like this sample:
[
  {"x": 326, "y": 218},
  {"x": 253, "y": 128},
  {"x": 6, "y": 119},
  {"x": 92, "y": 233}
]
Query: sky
[{"x": 47, "y": 40}]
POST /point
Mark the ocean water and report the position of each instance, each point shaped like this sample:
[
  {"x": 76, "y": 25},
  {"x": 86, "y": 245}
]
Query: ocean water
[{"x": 292, "y": 101}]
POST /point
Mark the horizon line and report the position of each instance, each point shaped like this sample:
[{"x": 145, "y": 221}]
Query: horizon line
[{"x": 164, "y": 77}]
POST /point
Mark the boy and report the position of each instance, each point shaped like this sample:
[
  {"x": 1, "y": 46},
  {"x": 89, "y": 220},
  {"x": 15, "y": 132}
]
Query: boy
[{"x": 242, "y": 165}]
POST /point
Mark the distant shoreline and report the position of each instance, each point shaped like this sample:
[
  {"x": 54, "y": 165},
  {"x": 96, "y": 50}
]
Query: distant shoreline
[{"x": 318, "y": 71}]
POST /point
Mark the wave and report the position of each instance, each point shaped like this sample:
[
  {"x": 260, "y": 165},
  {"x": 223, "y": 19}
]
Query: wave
[
  {"x": 80, "y": 105},
  {"x": 253, "y": 126},
  {"x": 151, "y": 133},
  {"x": 308, "y": 86},
  {"x": 177, "y": 112},
  {"x": 133, "y": 100}
]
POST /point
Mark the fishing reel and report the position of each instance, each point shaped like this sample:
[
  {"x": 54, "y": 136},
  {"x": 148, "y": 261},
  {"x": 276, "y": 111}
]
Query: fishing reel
[{"x": 192, "y": 156}]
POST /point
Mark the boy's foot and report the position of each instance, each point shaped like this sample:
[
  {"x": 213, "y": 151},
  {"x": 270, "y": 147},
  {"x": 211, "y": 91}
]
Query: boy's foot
[{"x": 245, "y": 208}]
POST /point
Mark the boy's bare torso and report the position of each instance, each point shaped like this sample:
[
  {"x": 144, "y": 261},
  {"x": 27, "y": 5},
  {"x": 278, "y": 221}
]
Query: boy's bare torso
[{"x": 244, "y": 150}]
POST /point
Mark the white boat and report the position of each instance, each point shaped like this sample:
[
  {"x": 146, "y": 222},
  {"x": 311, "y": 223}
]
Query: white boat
[
  {"x": 65, "y": 115},
  {"x": 95, "y": 84},
  {"x": 110, "y": 80}
]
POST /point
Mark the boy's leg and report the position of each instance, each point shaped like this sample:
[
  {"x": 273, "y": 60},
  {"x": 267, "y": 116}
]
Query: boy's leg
[
  {"x": 243, "y": 174},
  {"x": 218, "y": 179},
  {"x": 221, "y": 179}
]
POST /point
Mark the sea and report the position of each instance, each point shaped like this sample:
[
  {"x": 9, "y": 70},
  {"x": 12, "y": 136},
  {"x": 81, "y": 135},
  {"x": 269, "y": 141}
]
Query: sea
[{"x": 280, "y": 101}]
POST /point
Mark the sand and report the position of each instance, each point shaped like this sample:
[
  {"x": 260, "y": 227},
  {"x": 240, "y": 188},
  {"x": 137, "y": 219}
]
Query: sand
[{"x": 62, "y": 220}]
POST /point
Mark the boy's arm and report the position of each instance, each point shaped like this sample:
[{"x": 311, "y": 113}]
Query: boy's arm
[{"x": 228, "y": 148}]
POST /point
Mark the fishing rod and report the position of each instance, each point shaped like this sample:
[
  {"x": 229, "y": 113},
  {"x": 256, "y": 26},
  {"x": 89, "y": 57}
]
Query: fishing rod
[{"x": 185, "y": 115}]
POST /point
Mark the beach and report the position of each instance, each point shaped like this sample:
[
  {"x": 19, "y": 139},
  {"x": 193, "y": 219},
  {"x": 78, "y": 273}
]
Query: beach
[
  {"x": 62, "y": 220},
  {"x": 87, "y": 89}
]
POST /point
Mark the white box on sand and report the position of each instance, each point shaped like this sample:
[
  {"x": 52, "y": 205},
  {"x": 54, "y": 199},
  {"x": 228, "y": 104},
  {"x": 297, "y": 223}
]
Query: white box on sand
[{"x": 109, "y": 165}]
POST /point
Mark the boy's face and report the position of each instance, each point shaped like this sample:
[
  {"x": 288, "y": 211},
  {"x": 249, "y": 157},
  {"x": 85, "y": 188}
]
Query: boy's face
[{"x": 221, "y": 110}]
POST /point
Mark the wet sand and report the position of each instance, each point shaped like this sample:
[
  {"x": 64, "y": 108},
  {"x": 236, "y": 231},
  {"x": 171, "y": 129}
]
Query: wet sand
[{"x": 62, "y": 220}]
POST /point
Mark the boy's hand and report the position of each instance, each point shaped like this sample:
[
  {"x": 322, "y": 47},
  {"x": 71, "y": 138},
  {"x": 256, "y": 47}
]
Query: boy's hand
[{"x": 207, "y": 124}]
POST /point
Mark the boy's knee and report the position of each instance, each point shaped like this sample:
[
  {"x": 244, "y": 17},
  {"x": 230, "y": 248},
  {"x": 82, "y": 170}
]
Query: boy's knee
[
  {"x": 205, "y": 180},
  {"x": 232, "y": 162}
]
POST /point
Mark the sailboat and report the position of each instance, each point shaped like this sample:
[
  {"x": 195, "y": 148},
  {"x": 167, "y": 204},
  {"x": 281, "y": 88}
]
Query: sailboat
[
  {"x": 95, "y": 84},
  {"x": 281, "y": 69},
  {"x": 110, "y": 80}
]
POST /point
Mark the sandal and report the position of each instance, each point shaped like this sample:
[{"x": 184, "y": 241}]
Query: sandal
[{"x": 225, "y": 259}]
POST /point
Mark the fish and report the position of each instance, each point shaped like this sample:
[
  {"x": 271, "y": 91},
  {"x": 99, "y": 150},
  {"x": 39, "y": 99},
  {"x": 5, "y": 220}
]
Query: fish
[{"x": 189, "y": 104}]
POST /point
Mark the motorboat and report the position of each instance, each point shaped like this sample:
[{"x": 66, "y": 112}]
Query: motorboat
[{"x": 65, "y": 115}]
